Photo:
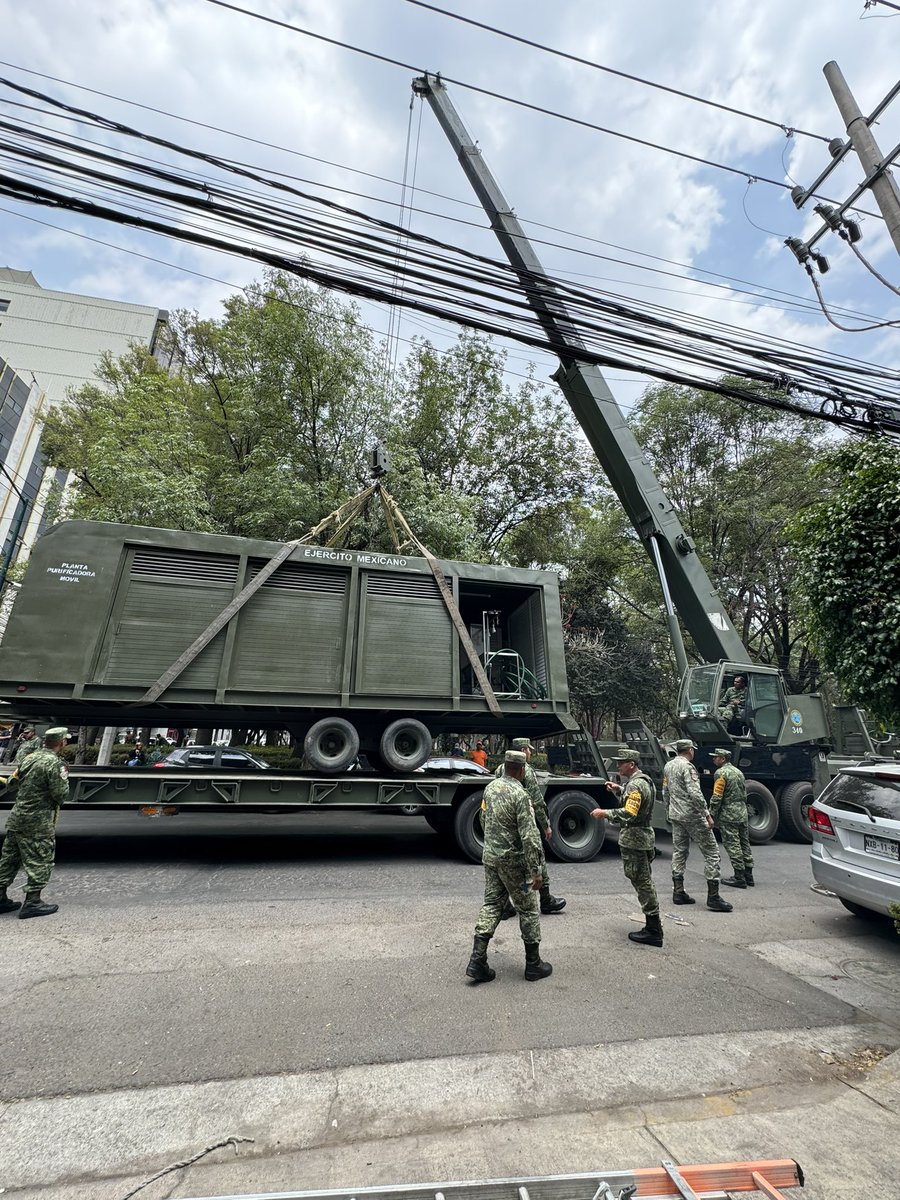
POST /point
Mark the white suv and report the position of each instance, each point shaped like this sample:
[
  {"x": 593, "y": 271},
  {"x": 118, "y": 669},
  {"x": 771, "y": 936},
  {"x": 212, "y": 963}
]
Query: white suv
[{"x": 856, "y": 837}]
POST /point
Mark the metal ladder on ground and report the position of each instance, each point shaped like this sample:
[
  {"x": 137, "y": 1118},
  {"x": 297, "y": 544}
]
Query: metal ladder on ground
[{"x": 706, "y": 1181}]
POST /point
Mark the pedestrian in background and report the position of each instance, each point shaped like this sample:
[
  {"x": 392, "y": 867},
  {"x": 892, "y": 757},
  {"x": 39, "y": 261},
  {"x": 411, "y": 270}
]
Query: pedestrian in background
[
  {"x": 691, "y": 819},
  {"x": 549, "y": 904},
  {"x": 28, "y": 744},
  {"x": 512, "y": 867},
  {"x": 479, "y": 754},
  {"x": 729, "y": 810},
  {"x": 42, "y": 788},
  {"x": 637, "y": 841}
]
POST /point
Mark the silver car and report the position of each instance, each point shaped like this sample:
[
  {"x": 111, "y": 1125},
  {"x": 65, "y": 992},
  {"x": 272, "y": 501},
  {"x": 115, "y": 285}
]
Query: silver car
[{"x": 856, "y": 837}]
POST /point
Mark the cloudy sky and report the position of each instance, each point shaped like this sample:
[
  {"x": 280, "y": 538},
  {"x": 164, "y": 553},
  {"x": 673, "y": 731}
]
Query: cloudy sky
[{"x": 621, "y": 216}]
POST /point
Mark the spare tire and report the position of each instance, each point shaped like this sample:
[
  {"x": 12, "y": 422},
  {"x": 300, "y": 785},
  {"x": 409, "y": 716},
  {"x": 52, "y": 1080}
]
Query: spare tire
[
  {"x": 762, "y": 813},
  {"x": 794, "y": 800},
  {"x": 576, "y": 836},
  {"x": 331, "y": 745},
  {"x": 405, "y": 744}
]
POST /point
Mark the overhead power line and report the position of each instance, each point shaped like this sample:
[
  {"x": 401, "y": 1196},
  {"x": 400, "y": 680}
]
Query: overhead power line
[
  {"x": 732, "y": 283},
  {"x": 786, "y": 129},
  {"x": 353, "y": 252},
  {"x": 743, "y": 172}
]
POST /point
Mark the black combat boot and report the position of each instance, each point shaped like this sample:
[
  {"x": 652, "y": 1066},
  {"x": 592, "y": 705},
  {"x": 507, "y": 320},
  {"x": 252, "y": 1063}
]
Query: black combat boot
[
  {"x": 748, "y": 877},
  {"x": 551, "y": 904},
  {"x": 508, "y": 910},
  {"x": 713, "y": 899},
  {"x": 651, "y": 934},
  {"x": 535, "y": 967},
  {"x": 34, "y": 906},
  {"x": 679, "y": 895},
  {"x": 7, "y": 905},
  {"x": 478, "y": 968},
  {"x": 738, "y": 879}
]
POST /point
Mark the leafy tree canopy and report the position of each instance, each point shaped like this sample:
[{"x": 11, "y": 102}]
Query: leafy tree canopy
[
  {"x": 846, "y": 546},
  {"x": 267, "y": 425}
]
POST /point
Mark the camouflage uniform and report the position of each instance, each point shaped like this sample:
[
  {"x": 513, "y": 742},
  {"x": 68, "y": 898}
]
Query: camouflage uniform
[
  {"x": 512, "y": 855},
  {"x": 541, "y": 816},
  {"x": 729, "y": 809},
  {"x": 637, "y": 841},
  {"x": 687, "y": 811},
  {"x": 733, "y": 702},
  {"x": 26, "y": 748},
  {"x": 30, "y": 839}
]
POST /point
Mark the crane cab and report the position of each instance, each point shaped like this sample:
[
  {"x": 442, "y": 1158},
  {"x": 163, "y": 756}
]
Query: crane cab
[{"x": 745, "y": 701}]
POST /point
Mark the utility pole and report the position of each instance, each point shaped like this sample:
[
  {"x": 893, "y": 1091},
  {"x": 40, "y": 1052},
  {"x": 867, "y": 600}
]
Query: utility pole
[{"x": 877, "y": 169}]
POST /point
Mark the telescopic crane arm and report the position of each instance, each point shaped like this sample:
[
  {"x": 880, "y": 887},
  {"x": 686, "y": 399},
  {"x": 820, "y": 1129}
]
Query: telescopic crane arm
[{"x": 686, "y": 586}]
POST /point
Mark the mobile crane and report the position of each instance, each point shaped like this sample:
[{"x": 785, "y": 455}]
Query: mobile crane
[{"x": 780, "y": 740}]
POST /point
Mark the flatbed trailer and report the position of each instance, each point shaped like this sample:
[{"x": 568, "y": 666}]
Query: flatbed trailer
[{"x": 450, "y": 803}]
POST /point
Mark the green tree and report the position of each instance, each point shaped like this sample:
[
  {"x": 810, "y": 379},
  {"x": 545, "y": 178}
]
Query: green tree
[
  {"x": 508, "y": 460},
  {"x": 846, "y": 545},
  {"x": 130, "y": 442},
  {"x": 737, "y": 473}
]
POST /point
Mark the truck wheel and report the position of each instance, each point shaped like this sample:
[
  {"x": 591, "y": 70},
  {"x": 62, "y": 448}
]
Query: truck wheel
[
  {"x": 405, "y": 744},
  {"x": 794, "y": 800},
  {"x": 576, "y": 836},
  {"x": 331, "y": 745},
  {"x": 762, "y": 812},
  {"x": 467, "y": 827}
]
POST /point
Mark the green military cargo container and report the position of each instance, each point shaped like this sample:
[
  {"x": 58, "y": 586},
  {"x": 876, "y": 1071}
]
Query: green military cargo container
[{"x": 349, "y": 650}]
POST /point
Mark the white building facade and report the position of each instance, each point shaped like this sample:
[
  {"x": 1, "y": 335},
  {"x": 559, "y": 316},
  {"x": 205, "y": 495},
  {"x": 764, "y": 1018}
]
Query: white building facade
[{"x": 50, "y": 342}]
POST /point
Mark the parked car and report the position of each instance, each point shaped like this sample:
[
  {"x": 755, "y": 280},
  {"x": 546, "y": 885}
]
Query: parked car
[
  {"x": 447, "y": 764},
  {"x": 213, "y": 758},
  {"x": 856, "y": 837},
  {"x": 451, "y": 764}
]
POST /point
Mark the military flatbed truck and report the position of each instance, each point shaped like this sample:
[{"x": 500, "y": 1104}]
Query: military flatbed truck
[{"x": 357, "y": 654}]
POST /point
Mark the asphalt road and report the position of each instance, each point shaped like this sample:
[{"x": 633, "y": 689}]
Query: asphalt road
[{"x": 203, "y": 947}]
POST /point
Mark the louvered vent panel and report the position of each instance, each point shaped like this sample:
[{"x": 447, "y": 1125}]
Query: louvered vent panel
[
  {"x": 539, "y": 667},
  {"x": 160, "y": 619},
  {"x": 291, "y": 635},
  {"x": 420, "y": 587},
  {"x": 406, "y": 640},
  {"x": 159, "y": 563},
  {"x": 297, "y": 577}
]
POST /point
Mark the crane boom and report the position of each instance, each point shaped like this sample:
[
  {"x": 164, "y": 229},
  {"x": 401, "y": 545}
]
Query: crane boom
[{"x": 684, "y": 580}]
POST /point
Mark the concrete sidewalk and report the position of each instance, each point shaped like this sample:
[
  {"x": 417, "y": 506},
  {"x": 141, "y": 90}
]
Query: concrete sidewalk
[{"x": 811, "y": 1095}]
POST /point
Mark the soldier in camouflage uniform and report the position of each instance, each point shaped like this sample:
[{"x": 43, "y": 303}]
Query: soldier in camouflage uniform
[
  {"x": 549, "y": 904},
  {"x": 690, "y": 818},
  {"x": 28, "y": 743},
  {"x": 41, "y": 789},
  {"x": 637, "y": 841},
  {"x": 512, "y": 867},
  {"x": 732, "y": 706},
  {"x": 729, "y": 810}
]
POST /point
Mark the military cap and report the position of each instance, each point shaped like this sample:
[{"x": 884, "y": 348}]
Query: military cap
[
  {"x": 27, "y": 729},
  {"x": 720, "y": 753},
  {"x": 58, "y": 733},
  {"x": 521, "y": 744},
  {"x": 625, "y": 754},
  {"x": 515, "y": 758},
  {"x": 684, "y": 744}
]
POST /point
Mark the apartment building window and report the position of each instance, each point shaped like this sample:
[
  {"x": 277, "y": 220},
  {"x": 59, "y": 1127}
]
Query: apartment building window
[{"x": 4, "y": 305}]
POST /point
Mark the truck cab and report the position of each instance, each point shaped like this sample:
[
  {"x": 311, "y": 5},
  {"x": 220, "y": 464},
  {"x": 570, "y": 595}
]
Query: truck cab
[{"x": 728, "y": 703}]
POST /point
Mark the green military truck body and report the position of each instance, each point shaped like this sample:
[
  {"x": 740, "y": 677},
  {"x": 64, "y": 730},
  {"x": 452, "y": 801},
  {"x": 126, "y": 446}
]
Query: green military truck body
[{"x": 105, "y": 609}]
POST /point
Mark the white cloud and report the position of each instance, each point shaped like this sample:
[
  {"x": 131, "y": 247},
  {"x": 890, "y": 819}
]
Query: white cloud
[{"x": 303, "y": 96}]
